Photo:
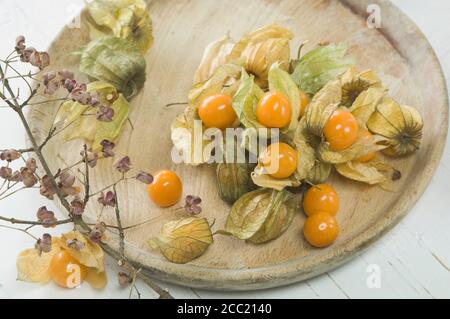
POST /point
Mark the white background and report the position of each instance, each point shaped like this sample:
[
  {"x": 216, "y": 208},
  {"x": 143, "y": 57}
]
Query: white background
[{"x": 414, "y": 259}]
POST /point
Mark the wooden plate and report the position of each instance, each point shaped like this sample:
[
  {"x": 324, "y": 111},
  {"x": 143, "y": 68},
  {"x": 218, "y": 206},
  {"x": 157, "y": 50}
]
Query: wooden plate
[{"x": 398, "y": 52}]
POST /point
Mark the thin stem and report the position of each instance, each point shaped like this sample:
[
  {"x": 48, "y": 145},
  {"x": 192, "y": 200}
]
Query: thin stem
[
  {"x": 15, "y": 221},
  {"x": 25, "y": 231},
  {"x": 86, "y": 177},
  {"x": 119, "y": 224}
]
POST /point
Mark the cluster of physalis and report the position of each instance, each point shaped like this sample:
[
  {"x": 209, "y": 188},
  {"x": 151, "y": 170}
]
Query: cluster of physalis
[{"x": 329, "y": 115}]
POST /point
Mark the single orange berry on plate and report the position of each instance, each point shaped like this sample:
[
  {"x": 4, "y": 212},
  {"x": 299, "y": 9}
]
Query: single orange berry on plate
[
  {"x": 274, "y": 110},
  {"x": 166, "y": 189},
  {"x": 66, "y": 271},
  {"x": 321, "y": 198},
  {"x": 304, "y": 102},
  {"x": 321, "y": 230},
  {"x": 365, "y": 134},
  {"x": 341, "y": 130},
  {"x": 280, "y": 160},
  {"x": 216, "y": 111}
]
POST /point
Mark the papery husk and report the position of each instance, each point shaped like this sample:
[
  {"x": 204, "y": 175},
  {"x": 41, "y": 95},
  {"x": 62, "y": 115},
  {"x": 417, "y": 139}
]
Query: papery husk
[
  {"x": 319, "y": 173},
  {"x": 215, "y": 55},
  {"x": 366, "y": 103},
  {"x": 184, "y": 132},
  {"x": 225, "y": 79},
  {"x": 260, "y": 49},
  {"x": 262, "y": 179},
  {"x": 183, "y": 240},
  {"x": 323, "y": 105},
  {"x": 369, "y": 173},
  {"x": 234, "y": 180},
  {"x": 127, "y": 19},
  {"x": 362, "y": 147},
  {"x": 116, "y": 61},
  {"x": 307, "y": 153},
  {"x": 262, "y": 215},
  {"x": 79, "y": 121},
  {"x": 245, "y": 101},
  {"x": 402, "y": 125},
  {"x": 281, "y": 81},
  {"x": 32, "y": 267},
  {"x": 354, "y": 83}
]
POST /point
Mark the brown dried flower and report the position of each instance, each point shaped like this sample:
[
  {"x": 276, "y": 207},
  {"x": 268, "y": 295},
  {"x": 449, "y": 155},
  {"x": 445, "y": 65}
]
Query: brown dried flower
[
  {"x": 193, "y": 205},
  {"x": 107, "y": 148},
  {"x": 75, "y": 244},
  {"x": 77, "y": 206},
  {"x": 90, "y": 157},
  {"x": 105, "y": 114},
  {"x": 29, "y": 179},
  {"x": 44, "y": 244},
  {"x": 10, "y": 155},
  {"x": 46, "y": 217},
  {"x": 124, "y": 279},
  {"x": 31, "y": 164},
  {"x": 97, "y": 232},
  {"x": 5, "y": 173},
  {"x": 107, "y": 200},
  {"x": 145, "y": 178},
  {"x": 123, "y": 165},
  {"x": 47, "y": 189}
]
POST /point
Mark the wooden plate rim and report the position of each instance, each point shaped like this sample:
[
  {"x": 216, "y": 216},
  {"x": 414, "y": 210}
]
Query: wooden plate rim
[{"x": 301, "y": 269}]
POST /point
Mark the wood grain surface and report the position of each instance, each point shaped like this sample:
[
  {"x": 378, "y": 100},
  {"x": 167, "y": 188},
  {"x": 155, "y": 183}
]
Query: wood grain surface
[{"x": 398, "y": 52}]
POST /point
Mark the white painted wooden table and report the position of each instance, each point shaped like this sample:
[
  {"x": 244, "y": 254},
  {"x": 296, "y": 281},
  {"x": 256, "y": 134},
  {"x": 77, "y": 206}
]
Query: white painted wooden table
[{"x": 413, "y": 260}]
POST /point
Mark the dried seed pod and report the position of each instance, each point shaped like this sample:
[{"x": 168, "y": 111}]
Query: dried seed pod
[
  {"x": 260, "y": 49},
  {"x": 319, "y": 173},
  {"x": 262, "y": 215},
  {"x": 234, "y": 181},
  {"x": 116, "y": 61},
  {"x": 184, "y": 240},
  {"x": 215, "y": 55},
  {"x": 124, "y": 19},
  {"x": 402, "y": 125},
  {"x": 354, "y": 83},
  {"x": 369, "y": 173}
]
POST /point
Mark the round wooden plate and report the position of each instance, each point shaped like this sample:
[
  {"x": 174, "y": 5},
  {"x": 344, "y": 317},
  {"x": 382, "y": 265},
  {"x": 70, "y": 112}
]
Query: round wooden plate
[{"x": 183, "y": 28}]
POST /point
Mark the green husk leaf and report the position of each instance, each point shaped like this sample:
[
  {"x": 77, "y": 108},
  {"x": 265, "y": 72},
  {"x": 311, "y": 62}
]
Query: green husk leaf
[
  {"x": 245, "y": 101},
  {"x": 127, "y": 19},
  {"x": 319, "y": 66},
  {"x": 281, "y": 81},
  {"x": 183, "y": 240},
  {"x": 261, "y": 215},
  {"x": 116, "y": 61},
  {"x": 77, "y": 126}
]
